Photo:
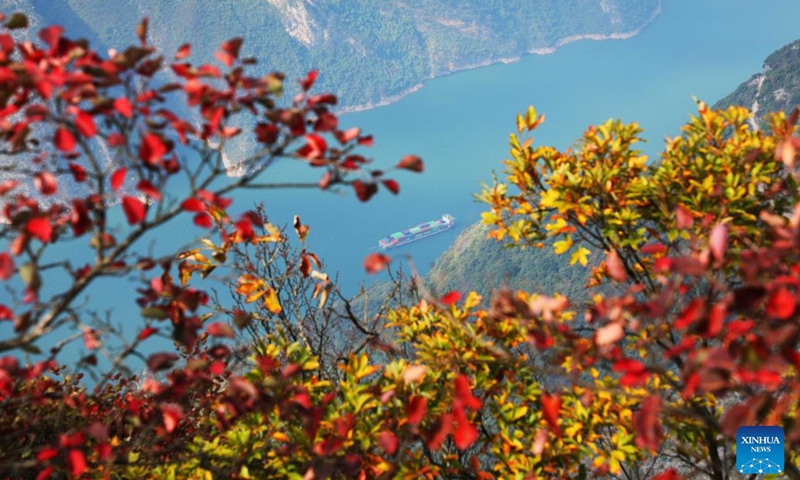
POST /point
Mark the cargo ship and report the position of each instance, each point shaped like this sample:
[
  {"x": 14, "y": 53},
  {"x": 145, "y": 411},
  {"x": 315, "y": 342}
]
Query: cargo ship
[{"x": 415, "y": 233}]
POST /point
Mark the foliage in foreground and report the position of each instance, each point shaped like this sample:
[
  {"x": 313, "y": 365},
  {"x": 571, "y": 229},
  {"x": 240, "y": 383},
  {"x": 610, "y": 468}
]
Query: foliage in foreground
[{"x": 704, "y": 339}]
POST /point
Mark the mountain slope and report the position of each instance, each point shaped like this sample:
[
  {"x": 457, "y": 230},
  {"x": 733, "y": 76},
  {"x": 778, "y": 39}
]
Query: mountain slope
[
  {"x": 368, "y": 52},
  {"x": 776, "y": 88}
]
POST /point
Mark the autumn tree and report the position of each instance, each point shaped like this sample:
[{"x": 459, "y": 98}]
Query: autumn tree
[
  {"x": 102, "y": 153},
  {"x": 704, "y": 339}
]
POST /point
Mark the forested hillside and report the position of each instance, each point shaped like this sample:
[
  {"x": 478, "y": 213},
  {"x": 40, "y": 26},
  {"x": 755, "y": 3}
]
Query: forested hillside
[
  {"x": 776, "y": 87},
  {"x": 368, "y": 52}
]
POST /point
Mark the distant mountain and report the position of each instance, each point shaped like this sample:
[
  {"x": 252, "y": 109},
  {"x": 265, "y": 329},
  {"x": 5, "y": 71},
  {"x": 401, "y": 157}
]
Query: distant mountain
[
  {"x": 776, "y": 88},
  {"x": 368, "y": 52}
]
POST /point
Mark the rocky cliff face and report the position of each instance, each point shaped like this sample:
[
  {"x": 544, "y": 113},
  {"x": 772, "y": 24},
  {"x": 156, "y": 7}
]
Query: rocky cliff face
[{"x": 775, "y": 88}]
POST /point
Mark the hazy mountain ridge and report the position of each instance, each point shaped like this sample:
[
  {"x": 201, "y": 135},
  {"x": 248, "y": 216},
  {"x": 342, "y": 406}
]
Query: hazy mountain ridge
[
  {"x": 775, "y": 88},
  {"x": 368, "y": 53}
]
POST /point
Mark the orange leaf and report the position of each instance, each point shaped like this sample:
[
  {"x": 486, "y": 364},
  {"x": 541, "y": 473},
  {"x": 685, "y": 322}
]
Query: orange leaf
[
  {"x": 220, "y": 329},
  {"x": 375, "y": 262},
  {"x": 412, "y": 163},
  {"x": 551, "y": 404}
]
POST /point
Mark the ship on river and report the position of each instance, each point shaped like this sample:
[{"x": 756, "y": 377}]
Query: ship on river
[{"x": 413, "y": 234}]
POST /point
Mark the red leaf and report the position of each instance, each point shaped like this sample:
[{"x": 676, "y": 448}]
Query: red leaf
[
  {"x": 51, "y": 35},
  {"x": 147, "y": 332},
  {"x": 691, "y": 314},
  {"x": 375, "y": 262},
  {"x": 440, "y": 431},
  {"x": 411, "y": 162},
  {"x": 172, "y": 416},
  {"x": 308, "y": 82},
  {"x": 551, "y": 404},
  {"x": 684, "y": 218},
  {"x": 326, "y": 122},
  {"x": 634, "y": 372},
  {"x": 616, "y": 269},
  {"x": 716, "y": 318},
  {"x": 203, "y": 220},
  {"x": 464, "y": 393},
  {"x": 225, "y": 58},
  {"x": 670, "y": 474},
  {"x": 365, "y": 141},
  {"x": 220, "y": 329},
  {"x": 183, "y": 51},
  {"x": 347, "y": 135},
  {"x": 118, "y": 177},
  {"x": 116, "y": 140},
  {"x": 45, "y": 473},
  {"x": 450, "y": 298},
  {"x": 364, "y": 191},
  {"x": 161, "y": 361},
  {"x": 647, "y": 424},
  {"x": 465, "y": 434},
  {"x": 46, "y": 454},
  {"x": 7, "y": 185},
  {"x": 64, "y": 140},
  {"x": 653, "y": 248},
  {"x": 41, "y": 228},
  {"x": 232, "y": 46},
  {"x": 6, "y": 266},
  {"x": 193, "y": 205},
  {"x": 152, "y": 150},
  {"x": 135, "y": 209},
  {"x": 78, "y": 172},
  {"x": 781, "y": 304},
  {"x": 124, "y": 107},
  {"x": 718, "y": 241},
  {"x": 77, "y": 463},
  {"x": 46, "y": 183},
  {"x": 609, "y": 334},
  {"x": 314, "y": 148},
  {"x": 149, "y": 189},
  {"x": 85, "y": 124},
  {"x": 388, "y": 442},
  {"x": 391, "y": 185},
  {"x": 415, "y": 409},
  {"x": 90, "y": 338}
]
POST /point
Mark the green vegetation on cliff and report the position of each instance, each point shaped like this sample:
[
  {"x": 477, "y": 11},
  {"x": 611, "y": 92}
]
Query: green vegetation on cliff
[
  {"x": 776, "y": 88},
  {"x": 477, "y": 262}
]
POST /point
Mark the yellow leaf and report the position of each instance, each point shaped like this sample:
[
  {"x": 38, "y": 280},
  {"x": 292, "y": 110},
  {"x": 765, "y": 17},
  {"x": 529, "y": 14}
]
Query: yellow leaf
[
  {"x": 549, "y": 198},
  {"x": 472, "y": 301},
  {"x": 271, "y": 301},
  {"x": 580, "y": 255},
  {"x": 562, "y": 246}
]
